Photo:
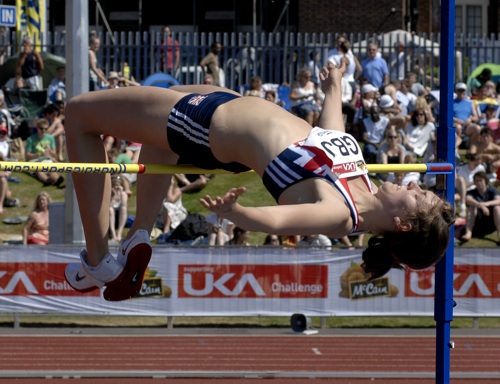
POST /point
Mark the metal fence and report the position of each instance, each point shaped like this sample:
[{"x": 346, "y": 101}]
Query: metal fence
[{"x": 276, "y": 58}]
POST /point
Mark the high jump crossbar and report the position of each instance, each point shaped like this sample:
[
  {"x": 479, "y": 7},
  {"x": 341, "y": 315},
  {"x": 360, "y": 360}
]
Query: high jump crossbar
[{"x": 20, "y": 166}]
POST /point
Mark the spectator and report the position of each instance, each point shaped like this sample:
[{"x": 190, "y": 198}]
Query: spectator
[
  {"x": 408, "y": 177},
  {"x": 303, "y": 94},
  {"x": 483, "y": 216},
  {"x": 482, "y": 101},
  {"x": 210, "y": 63},
  {"x": 29, "y": 66},
  {"x": 170, "y": 53},
  {"x": 374, "y": 127},
  {"x": 491, "y": 89},
  {"x": 467, "y": 170},
  {"x": 353, "y": 71},
  {"x": 465, "y": 117},
  {"x": 41, "y": 147},
  {"x": 419, "y": 133},
  {"x": 172, "y": 211},
  {"x": 415, "y": 87},
  {"x": 389, "y": 110},
  {"x": 240, "y": 237},
  {"x": 57, "y": 87},
  {"x": 56, "y": 128},
  {"x": 36, "y": 228},
  {"x": 118, "y": 209},
  {"x": 391, "y": 152},
  {"x": 126, "y": 76},
  {"x": 113, "y": 142},
  {"x": 390, "y": 90},
  {"x": 116, "y": 80},
  {"x": 405, "y": 98},
  {"x": 117, "y": 157},
  {"x": 346, "y": 241},
  {"x": 375, "y": 68},
  {"x": 334, "y": 54},
  {"x": 221, "y": 230},
  {"x": 133, "y": 151},
  {"x": 397, "y": 62},
  {"x": 369, "y": 97},
  {"x": 4, "y": 137},
  {"x": 490, "y": 118},
  {"x": 208, "y": 79},
  {"x": 5, "y": 113},
  {"x": 316, "y": 241},
  {"x": 257, "y": 88},
  {"x": 353, "y": 67},
  {"x": 488, "y": 151},
  {"x": 314, "y": 65},
  {"x": 272, "y": 240},
  {"x": 465, "y": 175},
  {"x": 6, "y": 199},
  {"x": 289, "y": 240},
  {"x": 421, "y": 103},
  {"x": 96, "y": 73},
  {"x": 113, "y": 80},
  {"x": 273, "y": 98},
  {"x": 480, "y": 80}
]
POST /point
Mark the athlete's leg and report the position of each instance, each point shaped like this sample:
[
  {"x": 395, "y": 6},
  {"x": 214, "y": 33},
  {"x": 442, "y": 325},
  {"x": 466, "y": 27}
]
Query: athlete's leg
[
  {"x": 137, "y": 114},
  {"x": 151, "y": 189},
  {"x": 135, "y": 251}
]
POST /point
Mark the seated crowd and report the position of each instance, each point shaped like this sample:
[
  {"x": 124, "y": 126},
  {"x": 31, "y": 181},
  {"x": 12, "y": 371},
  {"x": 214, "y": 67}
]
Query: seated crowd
[{"x": 395, "y": 122}]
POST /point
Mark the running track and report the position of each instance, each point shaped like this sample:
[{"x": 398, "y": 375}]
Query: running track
[{"x": 203, "y": 358}]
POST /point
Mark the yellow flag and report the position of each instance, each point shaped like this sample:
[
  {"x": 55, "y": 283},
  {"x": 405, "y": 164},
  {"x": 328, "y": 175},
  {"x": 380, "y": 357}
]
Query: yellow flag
[{"x": 31, "y": 20}]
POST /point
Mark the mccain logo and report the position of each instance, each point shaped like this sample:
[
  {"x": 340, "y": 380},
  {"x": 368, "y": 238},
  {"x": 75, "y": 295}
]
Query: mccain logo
[{"x": 368, "y": 289}]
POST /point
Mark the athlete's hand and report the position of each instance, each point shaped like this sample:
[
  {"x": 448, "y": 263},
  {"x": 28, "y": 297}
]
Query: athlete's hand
[
  {"x": 223, "y": 205},
  {"x": 331, "y": 76}
]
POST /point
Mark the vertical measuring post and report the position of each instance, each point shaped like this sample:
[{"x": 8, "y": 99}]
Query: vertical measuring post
[{"x": 443, "y": 297}]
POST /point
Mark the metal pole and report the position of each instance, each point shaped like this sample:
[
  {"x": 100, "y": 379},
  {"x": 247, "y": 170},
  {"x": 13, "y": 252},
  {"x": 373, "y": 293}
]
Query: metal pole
[
  {"x": 254, "y": 17},
  {"x": 443, "y": 304},
  {"x": 77, "y": 82}
]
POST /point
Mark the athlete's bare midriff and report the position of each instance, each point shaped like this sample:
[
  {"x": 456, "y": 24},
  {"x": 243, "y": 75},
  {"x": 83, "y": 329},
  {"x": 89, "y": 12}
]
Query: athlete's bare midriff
[{"x": 243, "y": 131}]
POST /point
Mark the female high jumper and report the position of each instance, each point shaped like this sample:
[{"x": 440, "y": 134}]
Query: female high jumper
[{"x": 317, "y": 175}]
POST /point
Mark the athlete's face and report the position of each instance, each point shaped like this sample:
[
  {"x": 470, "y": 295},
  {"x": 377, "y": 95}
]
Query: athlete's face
[{"x": 406, "y": 198}]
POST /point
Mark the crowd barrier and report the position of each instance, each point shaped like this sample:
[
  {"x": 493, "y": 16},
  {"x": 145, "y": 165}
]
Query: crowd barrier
[{"x": 249, "y": 281}]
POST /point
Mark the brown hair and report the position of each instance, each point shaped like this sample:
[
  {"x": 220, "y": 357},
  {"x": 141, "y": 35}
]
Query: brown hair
[{"x": 419, "y": 248}]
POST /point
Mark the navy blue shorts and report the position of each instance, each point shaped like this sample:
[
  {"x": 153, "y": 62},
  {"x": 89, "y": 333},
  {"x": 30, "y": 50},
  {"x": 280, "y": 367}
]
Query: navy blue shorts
[{"x": 188, "y": 131}]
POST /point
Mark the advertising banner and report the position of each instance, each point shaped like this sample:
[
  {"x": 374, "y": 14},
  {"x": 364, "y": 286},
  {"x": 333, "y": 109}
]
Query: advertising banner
[{"x": 249, "y": 281}]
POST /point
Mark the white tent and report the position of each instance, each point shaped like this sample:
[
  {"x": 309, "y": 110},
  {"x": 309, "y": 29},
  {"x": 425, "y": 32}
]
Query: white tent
[{"x": 387, "y": 40}]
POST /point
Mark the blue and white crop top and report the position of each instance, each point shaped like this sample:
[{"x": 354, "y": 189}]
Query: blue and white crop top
[{"x": 331, "y": 155}]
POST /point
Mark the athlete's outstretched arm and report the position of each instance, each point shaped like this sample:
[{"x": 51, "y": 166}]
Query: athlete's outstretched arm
[
  {"x": 296, "y": 219},
  {"x": 331, "y": 85}
]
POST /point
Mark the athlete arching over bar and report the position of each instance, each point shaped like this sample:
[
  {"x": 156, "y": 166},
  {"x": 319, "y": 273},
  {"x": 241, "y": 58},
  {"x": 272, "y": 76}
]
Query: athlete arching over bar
[{"x": 318, "y": 177}]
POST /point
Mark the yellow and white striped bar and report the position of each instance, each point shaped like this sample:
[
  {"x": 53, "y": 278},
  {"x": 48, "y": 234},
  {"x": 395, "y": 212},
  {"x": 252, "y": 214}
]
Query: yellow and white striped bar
[{"x": 159, "y": 169}]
